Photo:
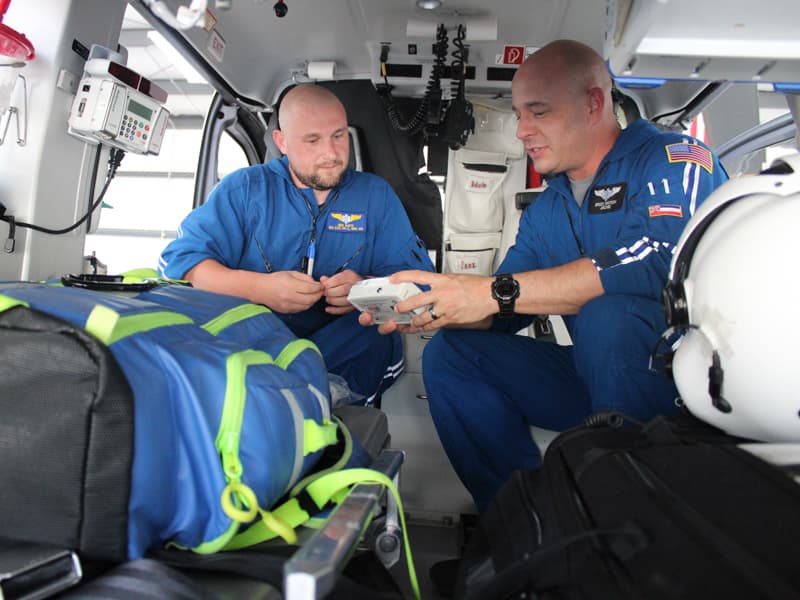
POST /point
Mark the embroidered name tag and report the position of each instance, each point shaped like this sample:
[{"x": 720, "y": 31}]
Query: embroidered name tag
[
  {"x": 607, "y": 198},
  {"x": 347, "y": 222}
]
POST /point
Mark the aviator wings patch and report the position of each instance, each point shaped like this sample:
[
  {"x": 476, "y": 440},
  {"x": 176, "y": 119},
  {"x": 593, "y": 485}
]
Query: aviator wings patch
[{"x": 346, "y": 222}]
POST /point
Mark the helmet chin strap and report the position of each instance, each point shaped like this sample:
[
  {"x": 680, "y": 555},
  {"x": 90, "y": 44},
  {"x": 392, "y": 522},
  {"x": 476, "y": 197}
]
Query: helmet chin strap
[
  {"x": 716, "y": 374},
  {"x": 715, "y": 377}
]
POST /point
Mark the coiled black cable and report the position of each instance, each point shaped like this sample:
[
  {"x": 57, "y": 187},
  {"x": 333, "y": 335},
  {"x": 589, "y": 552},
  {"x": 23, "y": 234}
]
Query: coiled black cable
[
  {"x": 458, "y": 66},
  {"x": 459, "y": 121},
  {"x": 429, "y": 110}
]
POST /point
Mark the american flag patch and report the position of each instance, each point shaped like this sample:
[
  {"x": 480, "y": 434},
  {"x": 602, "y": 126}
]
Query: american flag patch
[
  {"x": 694, "y": 153},
  {"x": 665, "y": 210}
]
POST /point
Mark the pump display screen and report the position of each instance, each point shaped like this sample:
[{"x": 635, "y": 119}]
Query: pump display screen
[{"x": 140, "y": 109}]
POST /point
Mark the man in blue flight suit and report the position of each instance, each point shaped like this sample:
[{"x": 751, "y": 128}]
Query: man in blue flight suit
[
  {"x": 296, "y": 233},
  {"x": 595, "y": 247}
]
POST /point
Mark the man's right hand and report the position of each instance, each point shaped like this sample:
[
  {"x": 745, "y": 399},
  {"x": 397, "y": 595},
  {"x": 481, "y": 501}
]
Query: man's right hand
[{"x": 282, "y": 291}]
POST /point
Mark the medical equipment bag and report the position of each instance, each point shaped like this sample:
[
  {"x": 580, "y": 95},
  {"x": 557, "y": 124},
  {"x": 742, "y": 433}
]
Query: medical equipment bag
[
  {"x": 129, "y": 421},
  {"x": 670, "y": 509}
]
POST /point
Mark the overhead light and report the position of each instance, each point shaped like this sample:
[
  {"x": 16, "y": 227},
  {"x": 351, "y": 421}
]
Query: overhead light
[
  {"x": 429, "y": 4},
  {"x": 188, "y": 71}
]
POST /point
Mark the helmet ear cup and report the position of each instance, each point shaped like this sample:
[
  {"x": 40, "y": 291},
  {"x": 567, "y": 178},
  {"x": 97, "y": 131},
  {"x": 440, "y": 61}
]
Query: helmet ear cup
[{"x": 676, "y": 308}]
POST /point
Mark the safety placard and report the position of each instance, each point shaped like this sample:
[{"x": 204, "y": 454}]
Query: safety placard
[
  {"x": 216, "y": 45},
  {"x": 513, "y": 55}
]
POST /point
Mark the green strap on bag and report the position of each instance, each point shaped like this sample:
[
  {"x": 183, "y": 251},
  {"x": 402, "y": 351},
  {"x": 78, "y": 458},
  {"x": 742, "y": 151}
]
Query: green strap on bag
[
  {"x": 7, "y": 302},
  {"x": 238, "y": 500}
]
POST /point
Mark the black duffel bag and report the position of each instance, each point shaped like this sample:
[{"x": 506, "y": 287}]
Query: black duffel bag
[
  {"x": 66, "y": 437},
  {"x": 670, "y": 509}
]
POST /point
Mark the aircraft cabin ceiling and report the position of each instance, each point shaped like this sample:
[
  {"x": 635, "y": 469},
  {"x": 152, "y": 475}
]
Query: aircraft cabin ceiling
[
  {"x": 350, "y": 33},
  {"x": 247, "y": 50}
]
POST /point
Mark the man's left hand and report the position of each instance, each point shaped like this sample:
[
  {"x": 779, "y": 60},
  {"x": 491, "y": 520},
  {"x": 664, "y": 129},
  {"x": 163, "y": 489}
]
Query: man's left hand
[{"x": 336, "y": 288}]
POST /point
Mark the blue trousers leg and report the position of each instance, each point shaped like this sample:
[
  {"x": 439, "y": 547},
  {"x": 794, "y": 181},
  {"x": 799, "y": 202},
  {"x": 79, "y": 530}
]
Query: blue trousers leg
[
  {"x": 368, "y": 361},
  {"x": 613, "y": 337},
  {"x": 485, "y": 388}
]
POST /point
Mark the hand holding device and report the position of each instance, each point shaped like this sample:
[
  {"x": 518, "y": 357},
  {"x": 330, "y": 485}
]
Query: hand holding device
[{"x": 378, "y": 297}]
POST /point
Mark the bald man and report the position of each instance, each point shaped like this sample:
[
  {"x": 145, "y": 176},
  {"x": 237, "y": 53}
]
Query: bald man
[
  {"x": 595, "y": 247},
  {"x": 296, "y": 233}
]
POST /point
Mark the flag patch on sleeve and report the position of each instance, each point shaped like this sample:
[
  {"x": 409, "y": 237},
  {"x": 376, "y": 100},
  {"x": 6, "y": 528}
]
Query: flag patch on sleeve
[
  {"x": 693, "y": 153},
  {"x": 665, "y": 210}
]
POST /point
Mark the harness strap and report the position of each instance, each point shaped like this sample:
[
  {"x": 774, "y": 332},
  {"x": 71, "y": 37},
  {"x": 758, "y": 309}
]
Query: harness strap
[{"x": 316, "y": 436}]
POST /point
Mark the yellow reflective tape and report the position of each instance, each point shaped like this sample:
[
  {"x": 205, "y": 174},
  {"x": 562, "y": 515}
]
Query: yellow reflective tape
[
  {"x": 234, "y": 315},
  {"x": 7, "y": 302},
  {"x": 339, "y": 464},
  {"x": 217, "y": 544},
  {"x": 101, "y": 323},
  {"x": 108, "y": 326},
  {"x": 292, "y": 350},
  {"x": 316, "y": 436}
]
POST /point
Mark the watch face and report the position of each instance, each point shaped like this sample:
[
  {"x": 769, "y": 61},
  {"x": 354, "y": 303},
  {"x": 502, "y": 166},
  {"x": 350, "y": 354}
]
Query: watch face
[{"x": 506, "y": 289}]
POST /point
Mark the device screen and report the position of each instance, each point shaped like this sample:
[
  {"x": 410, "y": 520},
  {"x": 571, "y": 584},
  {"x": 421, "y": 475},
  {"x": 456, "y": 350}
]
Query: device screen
[{"x": 140, "y": 109}]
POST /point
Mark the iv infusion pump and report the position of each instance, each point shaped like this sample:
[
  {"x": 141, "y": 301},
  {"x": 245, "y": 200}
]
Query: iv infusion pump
[{"x": 117, "y": 107}]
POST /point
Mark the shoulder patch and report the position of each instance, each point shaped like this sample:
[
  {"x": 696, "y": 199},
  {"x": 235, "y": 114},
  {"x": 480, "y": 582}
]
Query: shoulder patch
[
  {"x": 607, "y": 198},
  {"x": 665, "y": 210},
  {"x": 346, "y": 222},
  {"x": 693, "y": 153}
]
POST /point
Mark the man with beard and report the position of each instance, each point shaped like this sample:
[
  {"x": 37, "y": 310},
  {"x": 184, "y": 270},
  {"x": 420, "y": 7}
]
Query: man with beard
[{"x": 296, "y": 233}]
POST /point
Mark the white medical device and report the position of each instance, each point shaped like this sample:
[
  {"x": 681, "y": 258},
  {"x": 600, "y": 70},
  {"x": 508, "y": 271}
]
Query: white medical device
[
  {"x": 116, "y": 106},
  {"x": 378, "y": 297}
]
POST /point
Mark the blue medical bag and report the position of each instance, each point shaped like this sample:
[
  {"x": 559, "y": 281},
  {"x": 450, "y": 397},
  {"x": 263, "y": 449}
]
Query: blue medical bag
[{"x": 134, "y": 420}]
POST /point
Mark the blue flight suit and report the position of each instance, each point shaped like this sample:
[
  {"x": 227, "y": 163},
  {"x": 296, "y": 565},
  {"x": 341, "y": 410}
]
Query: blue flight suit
[
  {"x": 256, "y": 219},
  {"x": 486, "y": 387}
]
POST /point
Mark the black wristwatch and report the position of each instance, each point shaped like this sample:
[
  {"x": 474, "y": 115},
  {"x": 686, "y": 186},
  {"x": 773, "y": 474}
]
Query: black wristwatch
[{"x": 505, "y": 289}]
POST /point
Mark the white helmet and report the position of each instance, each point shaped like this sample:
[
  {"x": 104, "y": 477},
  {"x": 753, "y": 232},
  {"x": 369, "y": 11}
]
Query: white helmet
[{"x": 734, "y": 286}]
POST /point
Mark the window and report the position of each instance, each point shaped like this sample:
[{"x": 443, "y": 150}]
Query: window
[
  {"x": 150, "y": 195},
  {"x": 750, "y": 127},
  {"x": 145, "y": 203}
]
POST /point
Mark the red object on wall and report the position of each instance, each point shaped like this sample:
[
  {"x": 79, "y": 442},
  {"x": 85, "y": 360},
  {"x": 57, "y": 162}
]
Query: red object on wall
[
  {"x": 513, "y": 55},
  {"x": 13, "y": 43},
  {"x": 534, "y": 179}
]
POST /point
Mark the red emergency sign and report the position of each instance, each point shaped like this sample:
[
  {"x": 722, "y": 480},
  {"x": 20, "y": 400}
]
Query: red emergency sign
[{"x": 513, "y": 55}]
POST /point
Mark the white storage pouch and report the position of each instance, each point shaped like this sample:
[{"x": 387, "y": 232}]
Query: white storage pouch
[
  {"x": 475, "y": 202},
  {"x": 471, "y": 253}
]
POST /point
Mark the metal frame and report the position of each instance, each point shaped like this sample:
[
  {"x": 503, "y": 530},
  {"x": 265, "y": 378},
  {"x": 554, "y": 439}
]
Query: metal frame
[{"x": 311, "y": 572}]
